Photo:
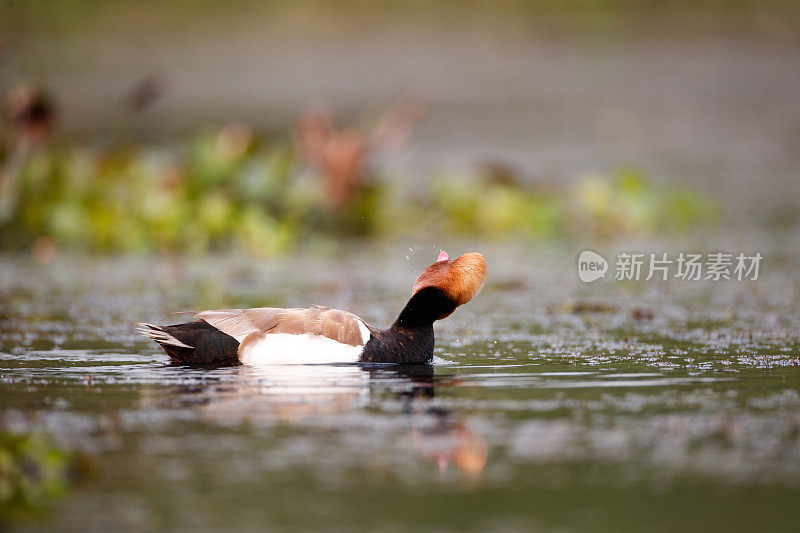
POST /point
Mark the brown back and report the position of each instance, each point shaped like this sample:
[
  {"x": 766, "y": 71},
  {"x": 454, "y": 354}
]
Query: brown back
[{"x": 340, "y": 326}]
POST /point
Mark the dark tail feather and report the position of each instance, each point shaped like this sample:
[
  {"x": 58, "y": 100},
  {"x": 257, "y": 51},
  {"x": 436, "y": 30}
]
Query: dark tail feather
[{"x": 197, "y": 343}]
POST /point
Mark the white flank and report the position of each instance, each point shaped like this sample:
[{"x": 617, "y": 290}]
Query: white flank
[
  {"x": 365, "y": 334},
  {"x": 288, "y": 348}
]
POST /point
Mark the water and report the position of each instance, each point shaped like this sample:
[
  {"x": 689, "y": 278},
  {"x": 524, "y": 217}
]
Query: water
[{"x": 550, "y": 405}]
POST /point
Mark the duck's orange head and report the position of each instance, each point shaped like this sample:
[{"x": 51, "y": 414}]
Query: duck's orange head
[{"x": 459, "y": 279}]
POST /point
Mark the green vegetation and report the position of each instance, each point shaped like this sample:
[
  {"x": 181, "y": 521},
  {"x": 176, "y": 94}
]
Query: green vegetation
[
  {"x": 230, "y": 190},
  {"x": 32, "y": 471},
  {"x": 624, "y": 203},
  {"x": 75, "y": 18}
]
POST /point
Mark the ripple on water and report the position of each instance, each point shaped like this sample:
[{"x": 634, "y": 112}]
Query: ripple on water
[{"x": 540, "y": 403}]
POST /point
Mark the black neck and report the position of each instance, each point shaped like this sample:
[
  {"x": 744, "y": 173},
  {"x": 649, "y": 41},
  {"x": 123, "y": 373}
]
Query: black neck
[
  {"x": 410, "y": 339},
  {"x": 425, "y": 307}
]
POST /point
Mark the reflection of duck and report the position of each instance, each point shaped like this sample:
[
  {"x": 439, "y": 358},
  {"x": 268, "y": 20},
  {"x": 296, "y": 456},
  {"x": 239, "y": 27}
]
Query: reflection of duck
[
  {"x": 292, "y": 393},
  {"x": 446, "y": 440},
  {"x": 305, "y": 394},
  {"x": 438, "y": 434},
  {"x": 269, "y": 335},
  {"x": 289, "y": 393}
]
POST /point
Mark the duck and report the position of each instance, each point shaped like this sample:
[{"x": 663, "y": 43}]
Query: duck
[{"x": 318, "y": 334}]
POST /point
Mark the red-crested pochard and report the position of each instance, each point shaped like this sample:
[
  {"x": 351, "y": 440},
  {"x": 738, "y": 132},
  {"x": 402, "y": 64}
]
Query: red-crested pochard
[{"x": 268, "y": 335}]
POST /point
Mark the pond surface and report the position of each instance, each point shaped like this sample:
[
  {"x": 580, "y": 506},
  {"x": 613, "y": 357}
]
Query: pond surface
[{"x": 552, "y": 404}]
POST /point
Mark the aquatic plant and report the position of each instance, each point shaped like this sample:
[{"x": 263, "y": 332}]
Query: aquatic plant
[
  {"x": 602, "y": 206},
  {"x": 32, "y": 472},
  {"x": 228, "y": 188}
]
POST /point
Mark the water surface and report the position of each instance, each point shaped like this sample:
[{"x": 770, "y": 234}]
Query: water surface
[{"x": 552, "y": 404}]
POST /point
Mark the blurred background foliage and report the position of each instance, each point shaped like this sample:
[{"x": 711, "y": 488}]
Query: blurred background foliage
[
  {"x": 33, "y": 471},
  {"x": 583, "y": 17},
  {"x": 106, "y": 144},
  {"x": 228, "y": 189}
]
